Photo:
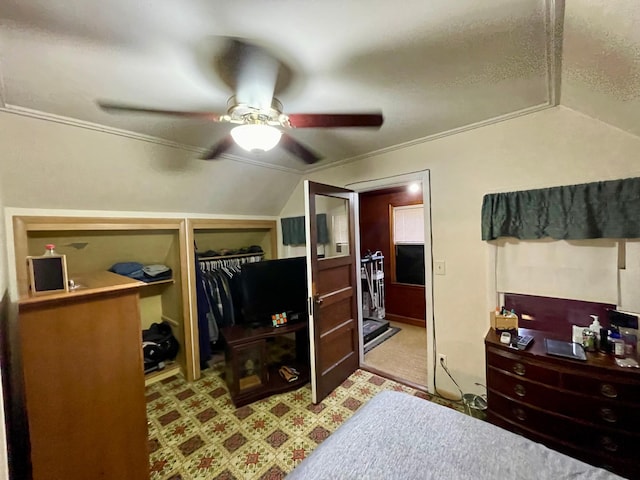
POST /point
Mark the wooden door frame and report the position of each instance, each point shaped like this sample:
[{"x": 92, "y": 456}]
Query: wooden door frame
[{"x": 424, "y": 178}]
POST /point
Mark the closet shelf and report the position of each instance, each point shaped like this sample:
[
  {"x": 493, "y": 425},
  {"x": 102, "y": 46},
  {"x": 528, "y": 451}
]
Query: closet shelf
[
  {"x": 159, "y": 282},
  {"x": 225, "y": 257},
  {"x": 145, "y": 284},
  {"x": 169, "y": 371}
]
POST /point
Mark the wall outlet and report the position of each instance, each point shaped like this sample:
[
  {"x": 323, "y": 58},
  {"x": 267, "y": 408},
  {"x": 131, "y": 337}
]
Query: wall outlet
[{"x": 442, "y": 359}]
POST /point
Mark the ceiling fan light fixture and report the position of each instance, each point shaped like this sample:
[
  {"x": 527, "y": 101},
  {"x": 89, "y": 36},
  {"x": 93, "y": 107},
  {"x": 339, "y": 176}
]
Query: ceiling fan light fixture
[{"x": 256, "y": 137}]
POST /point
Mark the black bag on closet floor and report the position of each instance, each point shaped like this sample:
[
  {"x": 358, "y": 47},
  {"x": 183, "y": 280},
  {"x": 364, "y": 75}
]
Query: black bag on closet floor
[{"x": 159, "y": 344}]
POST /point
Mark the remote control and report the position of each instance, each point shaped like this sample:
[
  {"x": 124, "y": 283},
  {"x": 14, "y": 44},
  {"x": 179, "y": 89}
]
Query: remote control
[{"x": 523, "y": 341}]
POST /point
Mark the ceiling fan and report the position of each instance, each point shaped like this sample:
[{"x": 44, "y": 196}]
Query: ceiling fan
[{"x": 259, "y": 118}]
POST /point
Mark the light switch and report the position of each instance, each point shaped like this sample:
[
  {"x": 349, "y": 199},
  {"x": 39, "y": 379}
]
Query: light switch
[{"x": 439, "y": 267}]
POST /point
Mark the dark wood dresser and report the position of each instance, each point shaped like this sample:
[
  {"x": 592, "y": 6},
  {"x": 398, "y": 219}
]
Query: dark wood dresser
[{"x": 588, "y": 410}]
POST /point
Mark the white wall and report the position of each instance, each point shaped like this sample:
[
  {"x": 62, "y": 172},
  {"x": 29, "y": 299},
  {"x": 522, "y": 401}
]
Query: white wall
[
  {"x": 554, "y": 147},
  {"x": 52, "y": 165}
]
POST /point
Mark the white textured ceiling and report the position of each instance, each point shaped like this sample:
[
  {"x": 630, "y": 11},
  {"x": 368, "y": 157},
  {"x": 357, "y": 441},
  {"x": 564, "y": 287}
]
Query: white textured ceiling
[
  {"x": 601, "y": 62},
  {"x": 431, "y": 67}
]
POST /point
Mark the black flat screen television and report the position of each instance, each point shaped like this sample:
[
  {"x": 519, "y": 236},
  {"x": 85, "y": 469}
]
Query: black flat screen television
[{"x": 274, "y": 286}]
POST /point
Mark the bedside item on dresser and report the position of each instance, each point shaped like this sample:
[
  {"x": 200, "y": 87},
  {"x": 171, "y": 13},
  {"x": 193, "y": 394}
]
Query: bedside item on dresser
[
  {"x": 627, "y": 325},
  {"x": 589, "y": 340},
  {"x": 577, "y": 332},
  {"x": 627, "y": 362},
  {"x": 559, "y": 348},
  {"x": 503, "y": 320},
  {"x": 505, "y": 337},
  {"x": 521, "y": 342}
]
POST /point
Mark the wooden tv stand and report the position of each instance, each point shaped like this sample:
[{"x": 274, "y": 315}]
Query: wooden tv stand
[
  {"x": 586, "y": 409},
  {"x": 251, "y": 370}
]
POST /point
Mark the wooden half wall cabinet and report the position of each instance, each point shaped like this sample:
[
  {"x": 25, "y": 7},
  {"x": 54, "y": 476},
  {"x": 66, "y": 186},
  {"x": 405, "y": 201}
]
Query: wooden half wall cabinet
[{"x": 80, "y": 352}]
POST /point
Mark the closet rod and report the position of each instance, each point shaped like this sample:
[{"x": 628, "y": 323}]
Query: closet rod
[{"x": 239, "y": 255}]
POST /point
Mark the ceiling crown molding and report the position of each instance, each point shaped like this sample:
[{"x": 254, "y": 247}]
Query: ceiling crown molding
[
  {"x": 50, "y": 117},
  {"x": 2, "y": 94},
  {"x": 554, "y": 19},
  {"x": 435, "y": 136}
]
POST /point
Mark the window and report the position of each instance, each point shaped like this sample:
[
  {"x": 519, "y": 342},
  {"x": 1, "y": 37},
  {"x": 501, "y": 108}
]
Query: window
[
  {"x": 408, "y": 244},
  {"x": 340, "y": 231}
]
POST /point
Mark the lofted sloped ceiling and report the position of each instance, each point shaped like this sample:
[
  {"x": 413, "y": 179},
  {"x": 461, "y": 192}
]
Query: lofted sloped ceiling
[
  {"x": 431, "y": 66},
  {"x": 601, "y": 62}
]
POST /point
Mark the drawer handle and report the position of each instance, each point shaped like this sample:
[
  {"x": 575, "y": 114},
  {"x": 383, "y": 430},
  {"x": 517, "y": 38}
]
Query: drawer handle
[
  {"x": 519, "y": 369},
  {"x": 608, "y": 390},
  {"x": 520, "y": 390},
  {"x": 608, "y": 415},
  {"x": 520, "y": 414},
  {"x": 608, "y": 444}
]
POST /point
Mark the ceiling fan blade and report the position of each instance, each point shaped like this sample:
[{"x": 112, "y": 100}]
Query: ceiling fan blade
[
  {"x": 252, "y": 72},
  {"x": 331, "y": 120},
  {"x": 219, "y": 148},
  {"x": 299, "y": 150},
  {"x": 117, "y": 107}
]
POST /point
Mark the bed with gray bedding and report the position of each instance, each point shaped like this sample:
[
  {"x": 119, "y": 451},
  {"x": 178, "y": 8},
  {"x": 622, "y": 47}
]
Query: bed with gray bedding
[{"x": 399, "y": 436}]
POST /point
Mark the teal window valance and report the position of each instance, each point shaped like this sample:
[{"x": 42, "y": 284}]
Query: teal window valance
[
  {"x": 609, "y": 209},
  {"x": 293, "y": 230}
]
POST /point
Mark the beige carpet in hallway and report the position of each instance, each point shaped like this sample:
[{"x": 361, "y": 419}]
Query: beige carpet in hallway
[{"x": 404, "y": 355}]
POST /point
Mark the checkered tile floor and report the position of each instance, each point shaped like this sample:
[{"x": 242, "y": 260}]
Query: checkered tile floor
[{"x": 195, "y": 432}]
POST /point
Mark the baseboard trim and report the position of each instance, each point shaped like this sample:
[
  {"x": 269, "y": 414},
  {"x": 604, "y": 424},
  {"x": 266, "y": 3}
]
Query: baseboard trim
[{"x": 410, "y": 321}]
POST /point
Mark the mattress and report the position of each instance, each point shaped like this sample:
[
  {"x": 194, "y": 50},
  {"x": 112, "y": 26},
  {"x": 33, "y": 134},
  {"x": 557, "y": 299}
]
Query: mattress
[{"x": 398, "y": 436}]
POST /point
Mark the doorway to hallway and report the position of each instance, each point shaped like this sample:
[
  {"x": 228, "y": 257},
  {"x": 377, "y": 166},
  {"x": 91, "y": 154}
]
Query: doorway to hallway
[{"x": 386, "y": 230}]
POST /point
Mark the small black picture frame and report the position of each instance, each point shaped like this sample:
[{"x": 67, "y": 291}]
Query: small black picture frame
[{"x": 48, "y": 274}]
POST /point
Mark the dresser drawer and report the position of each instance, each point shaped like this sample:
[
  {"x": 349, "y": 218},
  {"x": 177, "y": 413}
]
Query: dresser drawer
[
  {"x": 523, "y": 390},
  {"x": 514, "y": 363},
  {"x": 607, "y": 413},
  {"x": 615, "y": 445},
  {"x": 622, "y": 466},
  {"x": 612, "y": 443},
  {"x": 520, "y": 414},
  {"x": 606, "y": 388}
]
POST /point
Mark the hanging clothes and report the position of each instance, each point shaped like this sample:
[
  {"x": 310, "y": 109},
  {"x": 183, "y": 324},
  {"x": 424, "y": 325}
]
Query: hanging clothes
[
  {"x": 203, "y": 322},
  {"x": 221, "y": 289}
]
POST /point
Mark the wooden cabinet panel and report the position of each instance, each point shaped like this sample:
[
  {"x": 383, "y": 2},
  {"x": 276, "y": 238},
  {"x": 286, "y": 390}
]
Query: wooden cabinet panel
[
  {"x": 109, "y": 240},
  {"x": 84, "y": 387},
  {"x": 252, "y": 366}
]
